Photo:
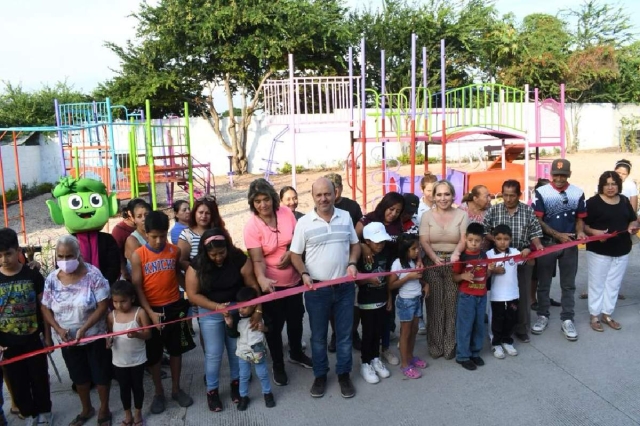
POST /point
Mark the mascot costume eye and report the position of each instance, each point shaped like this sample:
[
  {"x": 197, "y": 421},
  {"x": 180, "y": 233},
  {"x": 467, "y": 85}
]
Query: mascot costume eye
[{"x": 84, "y": 208}]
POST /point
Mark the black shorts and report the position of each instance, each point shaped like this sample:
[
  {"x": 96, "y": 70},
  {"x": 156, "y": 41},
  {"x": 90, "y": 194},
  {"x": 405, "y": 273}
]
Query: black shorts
[
  {"x": 175, "y": 338},
  {"x": 90, "y": 363}
]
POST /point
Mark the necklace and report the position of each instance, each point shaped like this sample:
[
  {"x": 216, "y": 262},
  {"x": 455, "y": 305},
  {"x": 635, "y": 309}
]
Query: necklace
[{"x": 275, "y": 218}]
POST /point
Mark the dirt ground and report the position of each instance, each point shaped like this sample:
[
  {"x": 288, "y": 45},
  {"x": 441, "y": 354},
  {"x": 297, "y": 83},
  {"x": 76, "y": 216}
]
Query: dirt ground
[{"x": 586, "y": 168}]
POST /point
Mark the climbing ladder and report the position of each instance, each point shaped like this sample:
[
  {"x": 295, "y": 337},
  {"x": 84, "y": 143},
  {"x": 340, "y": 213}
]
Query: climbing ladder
[{"x": 268, "y": 170}]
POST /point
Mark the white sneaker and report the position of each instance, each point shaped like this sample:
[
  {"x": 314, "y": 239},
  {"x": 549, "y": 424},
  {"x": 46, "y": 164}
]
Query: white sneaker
[
  {"x": 369, "y": 374},
  {"x": 509, "y": 349},
  {"x": 389, "y": 357},
  {"x": 540, "y": 325},
  {"x": 422, "y": 327},
  {"x": 569, "y": 330},
  {"x": 380, "y": 368},
  {"x": 498, "y": 352}
]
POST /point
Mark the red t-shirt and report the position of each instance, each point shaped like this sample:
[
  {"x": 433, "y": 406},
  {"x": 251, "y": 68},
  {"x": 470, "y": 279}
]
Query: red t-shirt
[
  {"x": 479, "y": 285},
  {"x": 121, "y": 232}
]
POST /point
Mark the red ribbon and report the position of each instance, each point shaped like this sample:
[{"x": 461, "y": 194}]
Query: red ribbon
[{"x": 300, "y": 289}]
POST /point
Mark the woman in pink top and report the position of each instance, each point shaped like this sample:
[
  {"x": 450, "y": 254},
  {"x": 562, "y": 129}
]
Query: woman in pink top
[
  {"x": 442, "y": 237},
  {"x": 267, "y": 236}
]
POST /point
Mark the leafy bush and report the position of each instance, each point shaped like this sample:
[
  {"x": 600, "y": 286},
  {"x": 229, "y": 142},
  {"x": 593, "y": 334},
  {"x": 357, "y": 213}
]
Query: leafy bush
[
  {"x": 405, "y": 159},
  {"x": 286, "y": 169},
  {"x": 28, "y": 191}
]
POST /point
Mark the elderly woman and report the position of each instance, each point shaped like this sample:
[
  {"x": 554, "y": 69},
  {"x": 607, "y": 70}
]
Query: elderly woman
[
  {"x": 267, "y": 236},
  {"x": 476, "y": 203},
  {"x": 609, "y": 211},
  {"x": 442, "y": 237},
  {"x": 74, "y": 303},
  {"x": 212, "y": 281}
]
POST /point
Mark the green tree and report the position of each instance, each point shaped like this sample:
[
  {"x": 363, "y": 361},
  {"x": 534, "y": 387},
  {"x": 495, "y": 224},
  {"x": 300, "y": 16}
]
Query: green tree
[
  {"x": 598, "y": 24},
  {"x": 186, "y": 49},
  {"x": 22, "y": 108}
]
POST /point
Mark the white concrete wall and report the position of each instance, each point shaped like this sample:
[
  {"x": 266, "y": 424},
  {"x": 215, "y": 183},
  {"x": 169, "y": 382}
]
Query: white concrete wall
[{"x": 37, "y": 163}]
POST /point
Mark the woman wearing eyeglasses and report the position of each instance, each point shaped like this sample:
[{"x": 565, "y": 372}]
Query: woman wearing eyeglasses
[
  {"x": 267, "y": 236},
  {"x": 609, "y": 211}
]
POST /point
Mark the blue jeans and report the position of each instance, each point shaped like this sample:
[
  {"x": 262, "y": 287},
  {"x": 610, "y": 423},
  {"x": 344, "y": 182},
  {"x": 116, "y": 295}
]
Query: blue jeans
[
  {"x": 470, "y": 326},
  {"x": 215, "y": 339},
  {"x": 320, "y": 303},
  {"x": 262, "y": 371}
]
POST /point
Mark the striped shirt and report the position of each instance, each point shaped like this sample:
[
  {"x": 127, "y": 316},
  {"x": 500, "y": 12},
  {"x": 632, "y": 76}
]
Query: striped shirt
[{"x": 326, "y": 244}]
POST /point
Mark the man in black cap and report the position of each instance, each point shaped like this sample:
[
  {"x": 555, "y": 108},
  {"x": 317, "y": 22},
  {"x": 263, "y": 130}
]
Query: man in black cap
[{"x": 560, "y": 208}]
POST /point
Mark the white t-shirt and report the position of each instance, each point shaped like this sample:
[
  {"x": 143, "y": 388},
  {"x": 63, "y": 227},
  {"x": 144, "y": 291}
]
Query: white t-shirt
[
  {"x": 629, "y": 188},
  {"x": 422, "y": 208},
  {"x": 411, "y": 288},
  {"x": 504, "y": 287}
]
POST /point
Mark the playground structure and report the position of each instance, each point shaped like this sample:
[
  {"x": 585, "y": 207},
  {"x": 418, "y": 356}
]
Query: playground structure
[
  {"x": 415, "y": 116},
  {"x": 131, "y": 155},
  {"x": 22, "y": 230}
]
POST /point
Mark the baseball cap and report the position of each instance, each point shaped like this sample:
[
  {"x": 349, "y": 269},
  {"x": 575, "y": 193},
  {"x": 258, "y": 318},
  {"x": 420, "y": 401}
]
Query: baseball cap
[
  {"x": 335, "y": 178},
  {"x": 561, "y": 167},
  {"x": 411, "y": 203},
  {"x": 375, "y": 232}
]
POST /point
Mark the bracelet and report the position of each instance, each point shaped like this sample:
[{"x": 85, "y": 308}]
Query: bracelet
[
  {"x": 258, "y": 311},
  {"x": 305, "y": 273},
  {"x": 352, "y": 264}
]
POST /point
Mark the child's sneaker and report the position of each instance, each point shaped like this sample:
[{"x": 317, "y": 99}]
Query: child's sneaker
[
  {"x": 389, "y": 357},
  {"x": 509, "y": 349},
  {"x": 369, "y": 374},
  {"x": 498, "y": 352},
  {"x": 269, "y": 400},
  {"x": 380, "y": 368}
]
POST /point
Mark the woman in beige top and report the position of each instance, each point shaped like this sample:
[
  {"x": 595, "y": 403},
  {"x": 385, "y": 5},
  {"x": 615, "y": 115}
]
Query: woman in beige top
[{"x": 442, "y": 238}]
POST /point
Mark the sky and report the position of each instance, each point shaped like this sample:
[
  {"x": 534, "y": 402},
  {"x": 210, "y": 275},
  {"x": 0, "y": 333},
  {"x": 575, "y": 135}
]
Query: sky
[{"x": 45, "y": 41}]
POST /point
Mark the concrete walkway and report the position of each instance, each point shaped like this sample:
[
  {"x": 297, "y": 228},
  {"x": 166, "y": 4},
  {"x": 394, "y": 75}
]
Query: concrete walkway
[{"x": 594, "y": 381}]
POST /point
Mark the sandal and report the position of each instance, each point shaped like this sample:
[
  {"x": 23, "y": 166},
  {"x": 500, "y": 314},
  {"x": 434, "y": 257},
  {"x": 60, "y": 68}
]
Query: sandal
[
  {"x": 596, "y": 325},
  {"x": 622, "y": 297},
  {"x": 80, "y": 419},
  {"x": 584, "y": 295},
  {"x": 611, "y": 322},
  {"x": 418, "y": 363},
  {"x": 105, "y": 421},
  {"x": 126, "y": 423},
  {"x": 139, "y": 423},
  {"x": 411, "y": 373},
  {"x": 16, "y": 412}
]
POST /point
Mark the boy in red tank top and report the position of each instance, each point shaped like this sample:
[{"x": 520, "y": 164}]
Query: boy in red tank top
[{"x": 154, "y": 273}]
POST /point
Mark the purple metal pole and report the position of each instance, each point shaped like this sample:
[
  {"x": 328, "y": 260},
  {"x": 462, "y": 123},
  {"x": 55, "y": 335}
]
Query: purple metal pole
[
  {"x": 351, "y": 82},
  {"x": 56, "y": 105},
  {"x": 363, "y": 124},
  {"x": 443, "y": 101},
  {"x": 424, "y": 67},
  {"x": 353, "y": 168},
  {"x": 412, "y": 129},
  {"x": 383, "y": 90}
]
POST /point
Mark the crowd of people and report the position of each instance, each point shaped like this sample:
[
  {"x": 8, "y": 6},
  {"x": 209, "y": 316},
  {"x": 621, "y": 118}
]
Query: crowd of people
[{"x": 440, "y": 269}]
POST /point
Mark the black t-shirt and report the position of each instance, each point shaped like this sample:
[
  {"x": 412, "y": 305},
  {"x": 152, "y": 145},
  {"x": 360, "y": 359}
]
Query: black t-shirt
[
  {"x": 224, "y": 282},
  {"x": 20, "y": 316},
  {"x": 352, "y": 207},
  {"x": 369, "y": 293},
  {"x": 614, "y": 217}
]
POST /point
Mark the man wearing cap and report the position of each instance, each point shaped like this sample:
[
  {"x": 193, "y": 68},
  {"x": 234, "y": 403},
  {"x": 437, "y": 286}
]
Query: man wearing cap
[
  {"x": 327, "y": 237},
  {"x": 561, "y": 209},
  {"x": 409, "y": 215},
  {"x": 345, "y": 203}
]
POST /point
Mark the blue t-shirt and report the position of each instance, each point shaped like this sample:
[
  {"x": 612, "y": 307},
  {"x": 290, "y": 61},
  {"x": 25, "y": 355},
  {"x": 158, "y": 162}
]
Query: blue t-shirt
[
  {"x": 560, "y": 208},
  {"x": 175, "y": 232}
]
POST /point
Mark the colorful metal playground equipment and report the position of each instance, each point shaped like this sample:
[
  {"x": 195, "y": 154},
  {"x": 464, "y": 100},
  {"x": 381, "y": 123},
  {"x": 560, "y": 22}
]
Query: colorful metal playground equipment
[
  {"x": 130, "y": 155},
  {"x": 418, "y": 116}
]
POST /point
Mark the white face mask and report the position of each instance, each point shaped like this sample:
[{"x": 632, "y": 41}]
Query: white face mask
[{"x": 68, "y": 266}]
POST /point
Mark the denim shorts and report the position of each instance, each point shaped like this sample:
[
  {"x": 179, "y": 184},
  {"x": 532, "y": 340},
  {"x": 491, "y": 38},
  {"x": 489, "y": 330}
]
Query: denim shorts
[{"x": 408, "y": 309}]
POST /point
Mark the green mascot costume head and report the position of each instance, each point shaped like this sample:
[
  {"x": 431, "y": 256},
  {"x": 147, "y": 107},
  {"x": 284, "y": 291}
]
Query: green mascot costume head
[
  {"x": 82, "y": 205},
  {"x": 84, "y": 208}
]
